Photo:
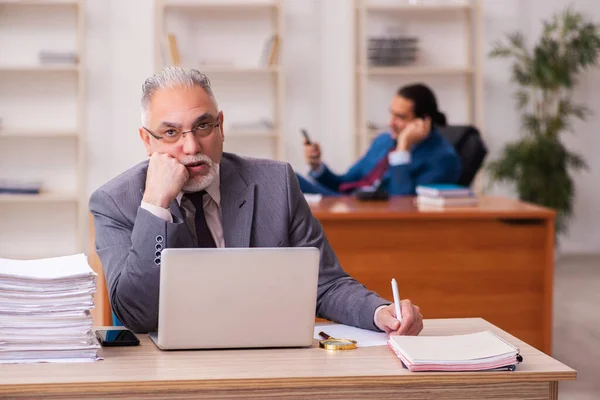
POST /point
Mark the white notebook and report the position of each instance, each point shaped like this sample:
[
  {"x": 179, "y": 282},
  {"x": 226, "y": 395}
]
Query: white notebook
[{"x": 472, "y": 352}]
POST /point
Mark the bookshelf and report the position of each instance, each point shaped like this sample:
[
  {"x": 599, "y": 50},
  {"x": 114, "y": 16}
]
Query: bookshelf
[
  {"x": 44, "y": 197},
  {"x": 42, "y": 127},
  {"x": 447, "y": 59},
  {"x": 39, "y": 68},
  {"x": 237, "y": 44}
]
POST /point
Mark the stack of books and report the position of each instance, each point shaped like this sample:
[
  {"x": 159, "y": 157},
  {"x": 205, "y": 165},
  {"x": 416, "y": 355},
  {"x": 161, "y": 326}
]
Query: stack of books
[
  {"x": 479, "y": 351},
  {"x": 445, "y": 195},
  {"x": 19, "y": 187},
  {"x": 45, "y": 310},
  {"x": 58, "y": 57}
]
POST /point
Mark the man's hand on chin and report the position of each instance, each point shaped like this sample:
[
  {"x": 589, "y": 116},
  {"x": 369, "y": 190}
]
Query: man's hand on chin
[{"x": 165, "y": 179}]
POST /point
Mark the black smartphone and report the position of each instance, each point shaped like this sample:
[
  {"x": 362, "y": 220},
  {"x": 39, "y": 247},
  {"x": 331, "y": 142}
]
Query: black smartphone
[
  {"x": 306, "y": 137},
  {"x": 117, "y": 337}
]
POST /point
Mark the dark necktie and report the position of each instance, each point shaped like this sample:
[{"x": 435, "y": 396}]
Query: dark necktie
[
  {"x": 205, "y": 238},
  {"x": 368, "y": 180}
]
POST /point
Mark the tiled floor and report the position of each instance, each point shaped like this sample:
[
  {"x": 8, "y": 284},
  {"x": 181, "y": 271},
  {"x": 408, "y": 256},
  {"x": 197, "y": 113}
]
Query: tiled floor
[{"x": 576, "y": 336}]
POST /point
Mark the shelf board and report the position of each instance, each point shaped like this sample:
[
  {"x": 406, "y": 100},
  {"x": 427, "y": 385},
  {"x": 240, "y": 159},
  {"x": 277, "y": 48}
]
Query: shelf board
[
  {"x": 419, "y": 7},
  {"x": 375, "y": 132},
  {"x": 249, "y": 134},
  {"x": 39, "y": 68},
  {"x": 34, "y": 256},
  {"x": 40, "y": 2},
  {"x": 25, "y": 134},
  {"x": 44, "y": 197},
  {"x": 415, "y": 71},
  {"x": 220, "y": 5},
  {"x": 211, "y": 69}
]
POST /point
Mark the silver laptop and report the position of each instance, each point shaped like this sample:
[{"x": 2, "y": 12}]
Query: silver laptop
[{"x": 237, "y": 298}]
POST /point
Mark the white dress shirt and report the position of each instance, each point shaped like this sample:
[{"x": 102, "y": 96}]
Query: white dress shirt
[{"x": 212, "y": 210}]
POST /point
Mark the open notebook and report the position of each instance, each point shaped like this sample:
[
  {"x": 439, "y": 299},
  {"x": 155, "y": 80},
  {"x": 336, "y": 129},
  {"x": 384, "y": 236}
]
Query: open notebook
[{"x": 472, "y": 352}]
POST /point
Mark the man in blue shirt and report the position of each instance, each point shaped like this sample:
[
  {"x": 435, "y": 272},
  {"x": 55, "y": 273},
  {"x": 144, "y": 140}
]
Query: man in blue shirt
[{"x": 412, "y": 153}]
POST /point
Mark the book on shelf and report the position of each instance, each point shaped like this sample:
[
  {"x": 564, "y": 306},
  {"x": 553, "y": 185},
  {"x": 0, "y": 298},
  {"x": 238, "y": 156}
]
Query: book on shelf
[
  {"x": 479, "y": 351},
  {"x": 58, "y": 57},
  {"x": 19, "y": 187}
]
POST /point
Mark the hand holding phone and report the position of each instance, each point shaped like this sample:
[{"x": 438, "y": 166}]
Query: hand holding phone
[
  {"x": 312, "y": 151},
  {"x": 415, "y": 132},
  {"x": 306, "y": 137},
  {"x": 117, "y": 337}
]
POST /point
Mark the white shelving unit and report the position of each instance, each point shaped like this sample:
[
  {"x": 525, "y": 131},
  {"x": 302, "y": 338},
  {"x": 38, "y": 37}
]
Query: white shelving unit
[
  {"x": 42, "y": 130},
  {"x": 440, "y": 26},
  {"x": 40, "y": 199},
  {"x": 246, "y": 85}
]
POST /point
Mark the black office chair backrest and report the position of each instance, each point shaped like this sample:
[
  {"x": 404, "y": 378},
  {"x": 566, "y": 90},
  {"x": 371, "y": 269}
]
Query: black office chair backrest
[{"x": 470, "y": 148}]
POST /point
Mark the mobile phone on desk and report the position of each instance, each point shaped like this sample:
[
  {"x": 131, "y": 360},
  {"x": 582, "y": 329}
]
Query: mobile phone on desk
[
  {"x": 306, "y": 137},
  {"x": 116, "y": 337},
  {"x": 372, "y": 194}
]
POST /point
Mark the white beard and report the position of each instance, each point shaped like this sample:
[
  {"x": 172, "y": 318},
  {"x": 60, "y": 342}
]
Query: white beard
[{"x": 200, "y": 182}]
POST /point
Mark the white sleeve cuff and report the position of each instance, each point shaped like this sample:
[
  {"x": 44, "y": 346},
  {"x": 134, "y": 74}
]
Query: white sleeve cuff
[
  {"x": 159, "y": 212},
  {"x": 377, "y": 312},
  {"x": 318, "y": 172},
  {"x": 399, "y": 157}
]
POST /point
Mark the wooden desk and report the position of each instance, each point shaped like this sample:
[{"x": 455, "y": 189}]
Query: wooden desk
[
  {"x": 364, "y": 373},
  {"x": 494, "y": 261}
]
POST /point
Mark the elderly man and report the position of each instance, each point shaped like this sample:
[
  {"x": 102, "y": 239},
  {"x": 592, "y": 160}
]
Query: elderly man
[{"x": 192, "y": 194}]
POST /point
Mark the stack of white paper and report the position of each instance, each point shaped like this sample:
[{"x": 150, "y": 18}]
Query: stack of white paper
[{"x": 45, "y": 310}]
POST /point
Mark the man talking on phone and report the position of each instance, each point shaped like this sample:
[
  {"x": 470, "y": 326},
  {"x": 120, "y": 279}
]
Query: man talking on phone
[{"x": 412, "y": 153}]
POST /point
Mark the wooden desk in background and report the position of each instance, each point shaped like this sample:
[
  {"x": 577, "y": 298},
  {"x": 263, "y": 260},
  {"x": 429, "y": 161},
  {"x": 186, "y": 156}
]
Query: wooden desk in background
[
  {"x": 494, "y": 261},
  {"x": 364, "y": 373}
]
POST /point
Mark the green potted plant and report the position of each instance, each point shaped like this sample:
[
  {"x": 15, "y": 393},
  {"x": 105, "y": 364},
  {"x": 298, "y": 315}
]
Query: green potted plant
[{"x": 538, "y": 163}]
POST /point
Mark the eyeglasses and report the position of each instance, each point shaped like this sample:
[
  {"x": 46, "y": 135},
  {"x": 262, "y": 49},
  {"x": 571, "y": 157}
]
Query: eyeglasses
[{"x": 172, "y": 135}]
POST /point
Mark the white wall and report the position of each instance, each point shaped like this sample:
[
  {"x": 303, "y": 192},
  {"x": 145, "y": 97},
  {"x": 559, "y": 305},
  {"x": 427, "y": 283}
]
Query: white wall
[
  {"x": 318, "y": 57},
  {"x": 584, "y": 232},
  {"x": 502, "y": 122}
]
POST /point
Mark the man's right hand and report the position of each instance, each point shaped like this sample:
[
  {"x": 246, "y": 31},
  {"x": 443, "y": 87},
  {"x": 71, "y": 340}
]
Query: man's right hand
[
  {"x": 165, "y": 178},
  {"x": 312, "y": 154}
]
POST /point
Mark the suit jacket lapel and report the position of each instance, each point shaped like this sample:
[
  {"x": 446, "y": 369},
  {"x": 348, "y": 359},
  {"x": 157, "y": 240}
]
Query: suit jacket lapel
[
  {"x": 237, "y": 206},
  {"x": 176, "y": 210}
]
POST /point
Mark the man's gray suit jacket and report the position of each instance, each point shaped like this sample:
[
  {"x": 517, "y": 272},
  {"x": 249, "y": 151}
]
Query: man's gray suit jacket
[{"x": 261, "y": 205}]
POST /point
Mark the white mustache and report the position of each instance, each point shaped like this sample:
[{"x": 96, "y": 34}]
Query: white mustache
[{"x": 197, "y": 158}]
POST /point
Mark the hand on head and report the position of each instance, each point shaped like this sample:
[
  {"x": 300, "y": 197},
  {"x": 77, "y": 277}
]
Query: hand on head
[{"x": 415, "y": 132}]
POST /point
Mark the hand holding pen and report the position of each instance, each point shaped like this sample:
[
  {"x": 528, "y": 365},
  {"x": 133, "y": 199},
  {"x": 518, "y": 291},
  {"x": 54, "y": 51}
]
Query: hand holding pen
[{"x": 400, "y": 318}]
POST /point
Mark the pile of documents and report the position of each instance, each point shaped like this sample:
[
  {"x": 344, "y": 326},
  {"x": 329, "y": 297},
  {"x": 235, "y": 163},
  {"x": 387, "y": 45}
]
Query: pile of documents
[
  {"x": 45, "y": 310},
  {"x": 445, "y": 195},
  {"x": 471, "y": 352}
]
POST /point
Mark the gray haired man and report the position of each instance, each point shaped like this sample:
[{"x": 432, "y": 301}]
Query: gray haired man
[{"x": 230, "y": 201}]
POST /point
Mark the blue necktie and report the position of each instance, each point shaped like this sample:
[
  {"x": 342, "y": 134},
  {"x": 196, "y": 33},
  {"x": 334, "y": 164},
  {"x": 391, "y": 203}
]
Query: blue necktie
[{"x": 205, "y": 238}]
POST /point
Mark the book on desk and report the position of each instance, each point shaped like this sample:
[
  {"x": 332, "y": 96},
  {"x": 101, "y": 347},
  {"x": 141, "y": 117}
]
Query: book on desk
[
  {"x": 479, "y": 351},
  {"x": 445, "y": 195}
]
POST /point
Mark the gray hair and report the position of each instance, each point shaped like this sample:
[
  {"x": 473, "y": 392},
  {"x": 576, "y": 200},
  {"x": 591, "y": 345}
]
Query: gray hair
[{"x": 171, "y": 77}]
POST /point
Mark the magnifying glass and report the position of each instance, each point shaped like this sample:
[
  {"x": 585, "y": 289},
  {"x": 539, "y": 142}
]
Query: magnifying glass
[{"x": 330, "y": 343}]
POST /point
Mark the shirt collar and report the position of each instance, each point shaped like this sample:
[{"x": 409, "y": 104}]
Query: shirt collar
[{"x": 213, "y": 190}]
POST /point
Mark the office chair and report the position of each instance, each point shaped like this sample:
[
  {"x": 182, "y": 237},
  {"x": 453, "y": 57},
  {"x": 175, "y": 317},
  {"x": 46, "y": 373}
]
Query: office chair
[
  {"x": 470, "y": 148},
  {"x": 115, "y": 320}
]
